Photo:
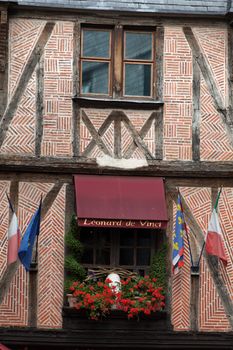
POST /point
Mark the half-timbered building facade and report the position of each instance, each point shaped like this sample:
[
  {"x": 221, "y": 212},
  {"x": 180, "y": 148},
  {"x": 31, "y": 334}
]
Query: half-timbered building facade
[{"x": 96, "y": 95}]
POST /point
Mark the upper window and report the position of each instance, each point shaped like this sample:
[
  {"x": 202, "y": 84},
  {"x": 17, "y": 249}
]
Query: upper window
[{"x": 117, "y": 62}]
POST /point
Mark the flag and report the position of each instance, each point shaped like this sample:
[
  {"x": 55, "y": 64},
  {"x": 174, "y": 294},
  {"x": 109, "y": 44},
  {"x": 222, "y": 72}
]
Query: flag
[
  {"x": 27, "y": 243},
  {"x": 214, "y": 242},
  {"x": 13, "y": 240},
  {"x": 178, "y": 240}
]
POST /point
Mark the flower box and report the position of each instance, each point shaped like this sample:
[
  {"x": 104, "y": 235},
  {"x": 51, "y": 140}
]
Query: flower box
[{"x": 117, "y": 319}]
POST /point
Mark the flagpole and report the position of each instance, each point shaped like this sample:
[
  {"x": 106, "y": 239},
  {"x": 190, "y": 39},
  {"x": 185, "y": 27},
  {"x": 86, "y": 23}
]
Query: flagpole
[
  {"x": 10, "y": 204},
  {"x": 186, "y": 231},
  {"x": 36, "y": 254}
]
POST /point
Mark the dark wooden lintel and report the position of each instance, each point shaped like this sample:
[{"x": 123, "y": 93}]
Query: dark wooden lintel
[
  {"x": 189, "y": 169},
  {"x": 90, "y": 102},
  {"x": 112, "y": 338}
]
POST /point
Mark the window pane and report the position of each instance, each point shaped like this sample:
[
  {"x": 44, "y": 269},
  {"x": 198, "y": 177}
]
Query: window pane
[
  {"x": 103, "y": 238},
  {"x": 86, "y": 236},
  {"x": 103, "y": 256},
  {"x": 143, "y": 256},
  {"x": 126, "y": 256},
  {"x": 87, "y": 257},
  {"x": 127, "y": 238},
  {"x": 138, "y": 46},
  {"x": 96, "y": 43},
  {"x": 138, "y": 79},
  {"x": 95, "y": 77},
  {"x": 144, "y": 239}
]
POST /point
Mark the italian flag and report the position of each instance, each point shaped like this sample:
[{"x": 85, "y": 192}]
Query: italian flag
[
  {"x": 214, "y": 239},
  {"x": 13, "y": 240}
]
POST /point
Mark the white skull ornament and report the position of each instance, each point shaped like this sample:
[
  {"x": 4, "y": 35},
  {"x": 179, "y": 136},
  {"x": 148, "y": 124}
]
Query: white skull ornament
[{"x": 115, "y": 283}]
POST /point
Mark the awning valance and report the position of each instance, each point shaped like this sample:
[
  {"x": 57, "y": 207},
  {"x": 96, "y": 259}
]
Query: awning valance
[{"x": 120, "y": 201}]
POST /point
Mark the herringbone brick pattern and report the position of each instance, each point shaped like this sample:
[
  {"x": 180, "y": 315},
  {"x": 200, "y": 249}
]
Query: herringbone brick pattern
[
  {"x": 214, "y": 316},
  {"x": 214, "y": 144},
  {"x": 177, "y": 95},
  {"x": 22, "y": 37},
  {"x": 58, "y": 60},
  {"x": 213, "y": 41},
  {"x": 13, "y": 309},
  {"x": 51, "y": 266},
  {"x": 20, "y": 137},
  {"x": 181, "y": 290},
  {"x": 4, "y": 219}
]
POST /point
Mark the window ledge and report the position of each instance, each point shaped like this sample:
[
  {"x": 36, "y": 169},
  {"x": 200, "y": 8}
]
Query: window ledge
[{"x": 91, "y": 102}]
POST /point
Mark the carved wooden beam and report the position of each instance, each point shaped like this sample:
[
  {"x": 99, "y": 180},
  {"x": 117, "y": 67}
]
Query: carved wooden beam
[
  {"x": 210, "y": 81},
  {"x": 24, "y": 79},
  {"x": 210, "y": 260}
]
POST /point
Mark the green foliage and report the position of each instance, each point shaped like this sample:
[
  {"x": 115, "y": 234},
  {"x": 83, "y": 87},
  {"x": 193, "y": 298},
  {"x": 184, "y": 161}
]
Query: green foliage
[
  {"x": 74, "y": 270},
  {"x": 158, "y": 268}
]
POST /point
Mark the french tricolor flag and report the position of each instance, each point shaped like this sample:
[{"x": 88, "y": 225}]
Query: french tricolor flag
[{"x": 13, "y": 240}]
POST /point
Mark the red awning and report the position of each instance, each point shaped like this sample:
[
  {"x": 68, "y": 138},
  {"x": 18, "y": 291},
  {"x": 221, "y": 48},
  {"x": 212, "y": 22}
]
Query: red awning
[{"x": 120, "y": 201}]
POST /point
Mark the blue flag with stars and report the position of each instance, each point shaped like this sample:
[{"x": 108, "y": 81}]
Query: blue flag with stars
[
  {"x": 178, "y": 239},
  {"x": 27, "y": 242}
]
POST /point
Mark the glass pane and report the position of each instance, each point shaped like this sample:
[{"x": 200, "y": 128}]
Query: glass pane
[
  {"x": 103, "y": 256},
  {"x": 143, "y": 256},
  {"x": 138, "y": 79},
  {"x": 95, "y": 77},
  {"x": 138, "y": 46},
  {"x": 96, "y": 43},
  {"x": 144, "y": 239},
  {"x": 103, "y": 238},
  {"x": 126, "y": 256},
  {"x": 87, "y": 257},
  {"x": 127, "y": 238},
  {"x": 87, "y": 236}
]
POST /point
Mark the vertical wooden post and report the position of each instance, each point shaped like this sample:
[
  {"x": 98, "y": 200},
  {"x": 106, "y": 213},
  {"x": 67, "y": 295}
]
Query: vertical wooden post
[
  {"x": 159, "y": 63},
  {"x": 32, "y": 298},
  {"x": 76, "y": 87},
  {"x": 117, "y": 137},
  {"x": 194, "y": 298},
  {"x": 39, "y": 105},
  {"x": 117, "y": 84},
  {"x": 159, "y": 135},
  {"x": 196, "y": 112},
  {"x": 168, "y": 262}
]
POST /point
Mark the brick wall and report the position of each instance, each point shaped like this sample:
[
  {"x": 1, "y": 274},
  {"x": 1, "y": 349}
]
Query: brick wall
[{"x": 57, "y": 141}]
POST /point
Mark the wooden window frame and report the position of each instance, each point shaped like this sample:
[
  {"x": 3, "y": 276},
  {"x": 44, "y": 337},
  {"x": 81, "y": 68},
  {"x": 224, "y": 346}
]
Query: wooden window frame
[
  {"x": 117, "y": 61},
  {"x": 115, "y": 247}
]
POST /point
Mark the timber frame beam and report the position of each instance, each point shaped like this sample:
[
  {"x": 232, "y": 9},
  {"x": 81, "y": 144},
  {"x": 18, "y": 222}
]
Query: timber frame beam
[{"x": 191, "y": 169}]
